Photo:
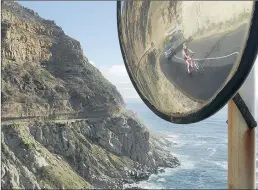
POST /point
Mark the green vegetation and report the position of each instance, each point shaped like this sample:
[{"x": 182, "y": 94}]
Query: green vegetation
[
  {"x": 82, "y": 141},
  {"x": 4, "y": 147},
  {"x": 114, "y": 161},
  {"x": 120, "y": 162},
  {"x": 15, "y": 125},
  {"x": 166, "y": 40},
  {"x": 113, "y": 157},
  {"x": 81, "y": 145},
  {"x": 27, "y": 141},
  {"x": 63, "y": 177},
  {"x": 46, "y": 74},
  {"x": 27, "y": 77}
]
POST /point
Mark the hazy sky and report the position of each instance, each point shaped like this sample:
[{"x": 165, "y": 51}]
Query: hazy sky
[{"x": 93, "y": 23}]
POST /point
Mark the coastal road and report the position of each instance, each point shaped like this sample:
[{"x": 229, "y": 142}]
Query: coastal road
[
  {"x": 61, "y": 121},
  {"x": 25, "y": 120},
  {"x": 217, "y": 55}
]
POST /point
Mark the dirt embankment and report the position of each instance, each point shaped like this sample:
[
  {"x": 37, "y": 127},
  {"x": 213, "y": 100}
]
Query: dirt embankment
[{"x": 204, "y": 18}]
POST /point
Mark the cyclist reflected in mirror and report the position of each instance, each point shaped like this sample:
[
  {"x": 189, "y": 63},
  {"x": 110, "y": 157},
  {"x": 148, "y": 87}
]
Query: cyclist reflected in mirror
[{"x": 189, "y": 61}]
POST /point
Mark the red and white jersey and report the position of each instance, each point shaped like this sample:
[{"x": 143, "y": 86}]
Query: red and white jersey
[{"x": 185, "y": 53}]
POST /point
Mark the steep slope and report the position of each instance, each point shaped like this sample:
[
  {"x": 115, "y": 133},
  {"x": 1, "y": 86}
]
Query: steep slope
[
  {"x": 49, "y": 70},
  {"x": 45, "y": 76}
]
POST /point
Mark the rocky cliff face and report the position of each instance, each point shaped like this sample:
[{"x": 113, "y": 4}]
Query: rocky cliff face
[
  {"x": 103, "y": 153},
  {"x": 49, "y": 70},
  {"x": 45, "y": 74}
]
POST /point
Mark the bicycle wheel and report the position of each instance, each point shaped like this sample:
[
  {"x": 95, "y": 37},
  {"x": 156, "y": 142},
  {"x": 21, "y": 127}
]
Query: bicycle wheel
[
  {"x": 198, "y": 67},
  {"x": 201, "y": 68}
]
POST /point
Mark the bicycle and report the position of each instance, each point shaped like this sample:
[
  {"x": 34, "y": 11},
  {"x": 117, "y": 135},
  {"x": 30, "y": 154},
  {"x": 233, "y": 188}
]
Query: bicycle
[{"x": 197, "y": 67}]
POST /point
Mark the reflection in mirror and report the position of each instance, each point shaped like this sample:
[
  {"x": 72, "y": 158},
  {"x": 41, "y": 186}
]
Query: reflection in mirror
[{"x": 181, "y": 54}]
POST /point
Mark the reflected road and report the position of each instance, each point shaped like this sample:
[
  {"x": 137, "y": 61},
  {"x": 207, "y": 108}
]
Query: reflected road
[{"x": 202, "y": 86}]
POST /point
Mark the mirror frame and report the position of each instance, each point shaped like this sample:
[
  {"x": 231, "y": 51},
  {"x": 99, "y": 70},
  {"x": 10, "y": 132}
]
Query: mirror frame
[{"x": 230, "y": 89}]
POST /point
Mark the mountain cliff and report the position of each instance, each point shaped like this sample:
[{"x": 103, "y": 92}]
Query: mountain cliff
[
  {"x": 49, "y": 70},
  {"x": 63, "y": 124}
]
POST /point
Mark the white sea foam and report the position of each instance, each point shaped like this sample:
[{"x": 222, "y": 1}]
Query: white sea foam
[
  {"x": 162, "y": 141},
  {"x": 157, "y": 181},
  {"x": 180, "y": 142},
  {"x": 172, "y": 136},
  {"x": 212, "y": 151},
  {"x": 154, "y": 181},
  {"x": 145, "y": 185},
  {"x": 221, "y": 164},
  {"x": 186, "y": 163},
  {"x": 161, "y": 180},
  {"x": 199, "y": 143},
  {"x": 175, "y": 140}
]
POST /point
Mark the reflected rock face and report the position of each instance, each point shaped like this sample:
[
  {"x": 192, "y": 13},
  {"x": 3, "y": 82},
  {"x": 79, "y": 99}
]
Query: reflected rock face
[{"x": 180, "y": 54}]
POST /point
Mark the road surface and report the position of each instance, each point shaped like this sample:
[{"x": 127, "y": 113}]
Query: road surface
[
  {"x": 202, "y": 86},
  {"x": 25, "y": 120}
]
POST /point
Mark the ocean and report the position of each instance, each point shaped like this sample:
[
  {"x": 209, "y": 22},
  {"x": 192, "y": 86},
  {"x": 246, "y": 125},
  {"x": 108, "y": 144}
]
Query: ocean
[{"x": 200, "y": 147}]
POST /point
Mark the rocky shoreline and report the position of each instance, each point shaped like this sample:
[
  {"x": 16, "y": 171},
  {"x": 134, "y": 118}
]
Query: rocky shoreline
[
  {"x": 139, "y": 175},
  {"x": 84, "y": 146},
  {"x": 142, "y": 175}
]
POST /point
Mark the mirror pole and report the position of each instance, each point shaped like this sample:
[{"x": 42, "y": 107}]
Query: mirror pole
[{"x": 241, "y": 140}]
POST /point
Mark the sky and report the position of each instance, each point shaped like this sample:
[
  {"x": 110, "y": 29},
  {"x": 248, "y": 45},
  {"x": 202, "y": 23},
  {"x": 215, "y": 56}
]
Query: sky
[{"x": 93, "y": 23}]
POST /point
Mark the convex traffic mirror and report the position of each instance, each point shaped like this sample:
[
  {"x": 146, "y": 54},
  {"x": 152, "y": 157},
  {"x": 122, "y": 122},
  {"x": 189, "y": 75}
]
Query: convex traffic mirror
[{"x": 186, "y": 59}]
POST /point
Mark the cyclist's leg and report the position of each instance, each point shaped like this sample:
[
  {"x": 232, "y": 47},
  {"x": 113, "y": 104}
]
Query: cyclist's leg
[
  {"x": 188, "y": 65},
  {"x": 191, "y": 61}
]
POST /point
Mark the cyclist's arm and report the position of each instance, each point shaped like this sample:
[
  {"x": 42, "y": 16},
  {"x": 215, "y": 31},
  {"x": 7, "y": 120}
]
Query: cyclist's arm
[
  {"x": 184, "y": 53},
  {"x": 190, "y": 50}
]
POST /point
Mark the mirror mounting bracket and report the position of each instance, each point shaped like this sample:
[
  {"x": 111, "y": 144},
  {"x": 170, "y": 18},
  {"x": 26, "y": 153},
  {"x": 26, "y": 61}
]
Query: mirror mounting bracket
[{"x": 247, "y": 115}]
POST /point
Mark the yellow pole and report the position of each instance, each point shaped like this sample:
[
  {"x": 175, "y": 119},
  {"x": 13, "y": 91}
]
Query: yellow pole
[{"x": 241, "y": 141}]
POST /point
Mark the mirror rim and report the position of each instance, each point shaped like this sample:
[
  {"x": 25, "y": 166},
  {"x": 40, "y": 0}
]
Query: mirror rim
[{"x": 227, "y": 92}]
